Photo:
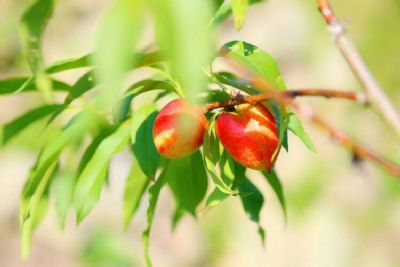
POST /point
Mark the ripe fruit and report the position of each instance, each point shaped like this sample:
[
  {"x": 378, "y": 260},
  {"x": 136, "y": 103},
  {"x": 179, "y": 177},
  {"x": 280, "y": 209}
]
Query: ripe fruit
[
  {"x": 250, "y": 135},
  {"x": 179, "y": 129}
]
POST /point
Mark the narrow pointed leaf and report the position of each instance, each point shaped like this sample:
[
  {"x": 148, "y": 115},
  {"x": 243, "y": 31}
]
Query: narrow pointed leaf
[
  {"x": 252, "y": 199},
  {"x": 276, "y": 185},
  {"x": 136, "y": 185},
  {"x": 33, "y": 24},
  {"x": 142, "y": 140},
  {"x": 296, "y": 127},
  {"x": 26, "y": 84},
  {"x": 208, "y": 160},
  {"x": 92, "y": 178},
  {"x": 13, "y": 128},
  {"x": 187, "y": 179},
  {"x": 239, "y": 10},
  {"x": 154, "y": 192}
]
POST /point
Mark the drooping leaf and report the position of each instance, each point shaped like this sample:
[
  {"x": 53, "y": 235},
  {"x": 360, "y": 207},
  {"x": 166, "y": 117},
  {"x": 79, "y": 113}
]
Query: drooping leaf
[
  {"x": 239, "y": 11},
  {"x": 297, "y": 128},
  {"x": 81, "y": 86},
  {"x": 33, "y": 24},
  {"x": 14, "y": 127},
  {"x": 252, "y": 199},
  {"x": 257, "y": 61},
  {"x": 227, "y": 168},
  {"x": 232, "y": 80},
  {"x": 225, "y": 10},
  {"x": 121, "y": 28},
  {"x": 122, "y": 108},
  {"x": 187, "y": 179},
  {"x": 25, "y": 84},
  {"x": 277, "y": 187},
  {"x": 215, "y": 198},
  {"x": 136, "y": 185},
  {"x": 209, "y": 159},
  {"x": 104, "y": 131},
  {"x": 69, "y": 64},
  {"x": 64, "y": 188},
  {"x": 188, "y": 53},
  {"x": 142, "y": 140},
  {"x": 154, "y": 192},
  {"x": 140, "y": 59},
  {"x": 92, "y": 178},
  {"x": 39, "y": 177},
  {"x": 34, "y": 203}
]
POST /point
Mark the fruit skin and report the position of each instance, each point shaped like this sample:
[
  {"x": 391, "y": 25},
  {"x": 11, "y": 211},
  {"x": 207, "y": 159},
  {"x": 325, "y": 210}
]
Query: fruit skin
[
  {"x": 250, "y": 135},
  {"x": 179, "y": 129}
]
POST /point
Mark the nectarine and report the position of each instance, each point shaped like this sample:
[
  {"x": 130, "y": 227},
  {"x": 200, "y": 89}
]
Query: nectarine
[
  {"x": 249, "y": 135},
  {"x": 179, "y": 129}
]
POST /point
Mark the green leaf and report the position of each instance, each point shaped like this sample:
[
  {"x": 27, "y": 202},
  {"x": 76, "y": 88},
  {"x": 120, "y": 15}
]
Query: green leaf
[
  {"x": 81, "y": 86},
  {"x": 277, "y": 187},
  {"x": 135, "y": 187},
  {"x": 142, "y": 140},
  {"x": 25, "y": 84},
  {"x": 187, "y": 179},
  {"x": 33, "y": 24},
  {"x": 154, "y": 192},
  {"x": 13, "y": 128},
  {"x": 297, "y": 128},
  {"x": 188, "y": 53},
  {"x": 120, "y": 29},
  {"x": 252, "y": 199},
  {"x": 209, "y": 160},
  {"x": 257, "y": 61},
  {"x": 38, "y": 178},
  {"x": 68, "y": 64},
  {"x": 103, "y": 132},
  {"x": 34, "y": 205},
  {"x": 225, "y": 10},
  {"x": 215, "y": 198},
  {"x": 227, "y": 167},
  {"x": 64, "y": 188},
  {"x": 239, "y": 10},
  {"x": 141, "y": 59},
  {"x": 92, "y": 178},
  {"x": 149, "y": 85}
]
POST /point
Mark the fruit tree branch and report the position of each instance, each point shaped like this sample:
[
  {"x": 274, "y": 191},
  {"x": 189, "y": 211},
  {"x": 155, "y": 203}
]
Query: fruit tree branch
[
  {"x": 346, "y": 46},
  {"x": 287, "y": 95}
]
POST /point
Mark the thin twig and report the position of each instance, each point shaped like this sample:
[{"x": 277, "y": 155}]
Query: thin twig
[
  {"x": 286, "y": 96},
  {"x": 374, "y": 91}
]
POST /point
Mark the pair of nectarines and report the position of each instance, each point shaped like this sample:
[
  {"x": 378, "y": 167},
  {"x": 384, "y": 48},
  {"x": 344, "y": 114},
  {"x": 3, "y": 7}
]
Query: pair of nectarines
[{"x": 249, "y": 134}]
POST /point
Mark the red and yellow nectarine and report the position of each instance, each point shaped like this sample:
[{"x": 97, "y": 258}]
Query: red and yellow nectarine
[
  {"x": 179, "y": 129},
  {"x": 249, "y": 135}
]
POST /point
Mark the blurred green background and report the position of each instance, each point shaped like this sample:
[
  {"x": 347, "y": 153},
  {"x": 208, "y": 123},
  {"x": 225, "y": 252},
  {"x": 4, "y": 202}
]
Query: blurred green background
[{"x": 338, "y": 214}]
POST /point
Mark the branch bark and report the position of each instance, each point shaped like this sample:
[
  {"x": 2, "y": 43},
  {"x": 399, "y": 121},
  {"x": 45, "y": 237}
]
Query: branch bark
[
  {"x": 374, "y": 91},
  {"x": 286, "y": 96}
]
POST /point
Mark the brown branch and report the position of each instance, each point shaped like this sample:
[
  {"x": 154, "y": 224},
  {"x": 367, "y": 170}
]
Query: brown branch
[
  {"x": 374, "y": 91},
  {"x": 287, "y": 96}
]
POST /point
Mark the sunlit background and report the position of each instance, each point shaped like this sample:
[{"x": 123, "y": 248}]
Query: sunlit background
[{"x": 338, "y": 214}]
